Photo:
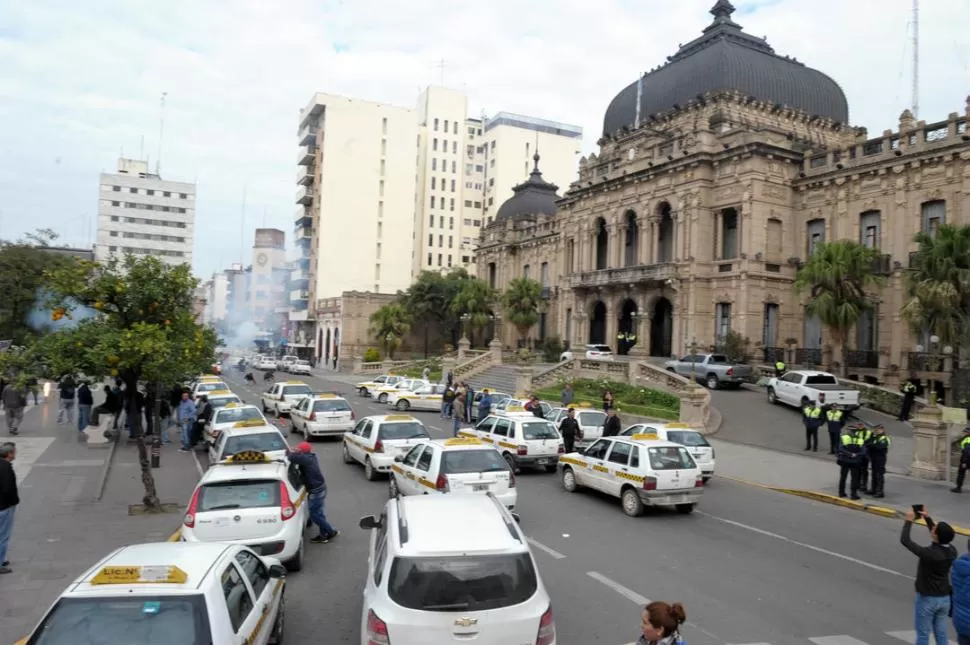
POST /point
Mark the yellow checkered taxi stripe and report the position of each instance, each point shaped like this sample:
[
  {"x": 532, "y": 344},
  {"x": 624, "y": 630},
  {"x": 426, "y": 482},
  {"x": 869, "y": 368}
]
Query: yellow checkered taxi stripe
[
  {"x": 573, "y": 462},
  {"x": 421, "y": 480},
  {"x": 359, "y": 443}
]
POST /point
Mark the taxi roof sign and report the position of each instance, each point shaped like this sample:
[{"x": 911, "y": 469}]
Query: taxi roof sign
[
  {"x": 515, "y": 408},
  {"x": 120, "y": 575},
  {"x": 218, "y": 393},
  {"x": 248, "y": 457},
  {"x": 399, "y": 417},
  {"x": 233, "y": 404},
  {"x": 325, "y": 395},
  {"x": 249, "y": 423},
  {"x": 677, "y": 425},
  {"x": 464, "y": 441},
  {"x": 645, "y": 436},
  {"x": 210, "y": 379}
]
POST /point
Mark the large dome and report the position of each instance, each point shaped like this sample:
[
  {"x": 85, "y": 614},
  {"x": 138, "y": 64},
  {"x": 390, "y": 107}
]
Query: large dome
[
  {"x": 725, "y": 58},
  {"x": 535, "y": 196}
]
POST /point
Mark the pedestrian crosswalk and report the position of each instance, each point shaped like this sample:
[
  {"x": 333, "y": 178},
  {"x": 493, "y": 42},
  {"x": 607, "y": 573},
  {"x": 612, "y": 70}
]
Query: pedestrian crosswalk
[{"x": 842, "y": 639}]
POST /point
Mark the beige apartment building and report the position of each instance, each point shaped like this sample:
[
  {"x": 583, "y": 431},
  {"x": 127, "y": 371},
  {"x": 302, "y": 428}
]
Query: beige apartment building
[{"x": 717, "y": 174}]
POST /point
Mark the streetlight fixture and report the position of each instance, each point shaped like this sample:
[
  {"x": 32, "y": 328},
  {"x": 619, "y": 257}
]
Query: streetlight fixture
[{"x": 464, "y": 318}]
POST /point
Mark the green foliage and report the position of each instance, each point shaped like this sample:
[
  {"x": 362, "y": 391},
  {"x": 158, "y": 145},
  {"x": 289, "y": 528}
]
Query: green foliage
[
  {"x": 436, "y": 303},
  {"x": 474, "y": 299},
  {"x": 735, "y": 346},
  {"x": 22, "y": 268},
  {"x": 372, "y": 355},
  {"x": 551, "y": 349},
  {"x": 938, "y": 285},
  {"x": 20, "y": 365},
  {"x": 521, "y": 302},
  {"x": 630, "y": 399},
  {"x": 389, "y": 324}
]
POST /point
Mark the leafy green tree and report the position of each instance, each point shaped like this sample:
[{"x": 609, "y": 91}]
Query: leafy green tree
[
  {"x": 389, "y": 325},
  {"x": 837, "y": 277},
  {"x": 145, "y": 333},
  {"x": 521, "y": 302},
  {"x": 474, "y": 299},
  {"x": 427, "y": 304},
  {"x": 22, "y": 268},
  {"x": 938, "y": 285}
]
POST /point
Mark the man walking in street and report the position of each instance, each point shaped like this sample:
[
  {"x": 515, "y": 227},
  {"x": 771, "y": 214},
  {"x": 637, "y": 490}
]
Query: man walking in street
[
  {"x": 813, "y": 418},
  {"x": 932, "y": 577},
  {"x": 567, "y": 395},
  {"x": 835, "y": 419},
  {"x": 185, "y": 415},
  {"x": 877, "y": 450},
  {"x": 316, "y": 486},
  {"x": 964, "y": 460},
  {"x": 14, "y": 400},
  {"x": 909, "y": 396},
  {"x": 866, "y": 435},
  {"x": 612, "y": 426},
  {"x": 85, "y": 401},
  {"x": 569, "y": 429},
  {"x": 851, "y": 450},
  {"x": 9, "y": 500},
  {"x": 66, "y": 390}
]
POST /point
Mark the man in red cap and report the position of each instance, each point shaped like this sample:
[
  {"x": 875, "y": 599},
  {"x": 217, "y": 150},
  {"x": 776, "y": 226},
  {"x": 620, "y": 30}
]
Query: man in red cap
[{"x": 303, "y": 457}]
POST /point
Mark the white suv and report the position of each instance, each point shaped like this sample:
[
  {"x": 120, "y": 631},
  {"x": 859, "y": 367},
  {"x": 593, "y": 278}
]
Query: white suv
[{"x": 445, "y": 568}]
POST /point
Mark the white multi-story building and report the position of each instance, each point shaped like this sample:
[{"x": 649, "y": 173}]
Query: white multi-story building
[
  {"x": 216, "y": 299},
  {"x": 142, "y": 214}
]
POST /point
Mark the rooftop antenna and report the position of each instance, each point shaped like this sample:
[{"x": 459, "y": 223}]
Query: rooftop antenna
[
  {"x": 161, "y": 132},
  {"x": 636, "y": 121},
  {"x": 441, "y": 64},
  {"x": 916, "y": 59}
]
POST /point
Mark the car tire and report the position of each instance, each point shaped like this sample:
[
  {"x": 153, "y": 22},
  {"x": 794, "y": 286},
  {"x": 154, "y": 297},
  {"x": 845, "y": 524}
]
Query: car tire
[
  {"x": 630, "y": 501},
  {"x": 382, "y": 397},
  {"x": 685, "y": 509},
  {"x": 276, "y": 637},
  {"x": 712, "y": 382},
  {"x": 392, "y": 489},
  {"x": 403, "y": 405},
  {"x": 568, "y": 479},
  {"x": 296, "y": 562},
  {"x": 705, "y": 480},
  {"x": 772, "y": 397},
  {"x": 345, "y": 453},
  {"x": 370, "y": 473},
  {"x": 511, "y": 462}
]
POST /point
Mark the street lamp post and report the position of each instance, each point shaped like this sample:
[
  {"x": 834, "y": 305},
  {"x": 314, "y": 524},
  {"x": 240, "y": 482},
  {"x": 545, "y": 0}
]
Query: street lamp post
[
  {"x": 388, "y": 340},
  {"x": 693, "y": 361},
  {"x": 464, "y": 318}
]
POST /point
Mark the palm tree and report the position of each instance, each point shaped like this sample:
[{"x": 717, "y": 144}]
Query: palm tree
[
  {"x": 938, "y": 285},
  {"x": 389, "y": 324},
  {"x": 474, "y": 300},
  {"x": 838, "y": 277},
  {"x": 427, "y": 303},
  {"x": 521, "y": 302}
]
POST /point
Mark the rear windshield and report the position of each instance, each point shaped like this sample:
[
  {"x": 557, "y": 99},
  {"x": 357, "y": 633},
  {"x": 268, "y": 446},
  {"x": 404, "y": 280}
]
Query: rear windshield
[
  {"x": 235, "y": 415},
  {"x": 402, "y": 430},
  {"x": 251, "y": 493},
  {"x": 463, "y": 583},
  {"x": 670, "y": 458},
  {"x": 718, "y": 358},
  {"x": 687, "y": 438},
  {"x": 291, "y": 390},
  {"x": 821, "y": 379},
  {"x": 601, "y": 348},
  {"x": 539, "y": 430},
  {"x": 457, "y": 462},
  {"x": 592, "y": 418},
  {"x": 260, "y": 442},
  {"x": 146, "y": 620},
  {"x": 330, "y": 405},
  {"x": 221, "y": 403},
  {"x": 499, "y": 398},
  {"x": 211, "y": 387}
]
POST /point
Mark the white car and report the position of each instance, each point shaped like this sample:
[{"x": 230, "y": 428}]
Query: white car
[
  {"x": 252, "y": 500},
  {"x": 692, "y": 439},
  {"x": 428, "y": 551},
  {"x": 280, "y": 397},
  {"x": 248, "y": 437},
  {"x": 209, "y": 387},
  {"x": 376, "y": 441},
  {"x": 321, "y": 415},
  {"x": 265, "y": 363},
  {"x": 592, "y": 352},
  {"x": 641, "y": 470},
  {"x": 283, "y": 364},
  {"x": 300, "y": 367},
  {"x": 221, "y": 398},
  {"x": 170, "y": 592},
  {"x": 522, "y": 439},
  {"x": 364, "y": 388},
  {"x": 230, "y": 415},
  {"x": 425, "y": 397},
  {"x": 518, "y": 405},
  {"x": 590, "y": 423},
  {"x": 453, "y": 466},
  {"x": 383, "y": 392}
]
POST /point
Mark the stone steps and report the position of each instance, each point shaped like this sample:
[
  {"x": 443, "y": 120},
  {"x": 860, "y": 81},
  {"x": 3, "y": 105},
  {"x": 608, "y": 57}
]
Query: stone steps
[{"x": 498, "y": 378}]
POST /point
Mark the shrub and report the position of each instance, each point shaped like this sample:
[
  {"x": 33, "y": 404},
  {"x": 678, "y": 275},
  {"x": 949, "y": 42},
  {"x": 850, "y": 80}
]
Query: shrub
[
  {"x": 551, "y": 349},
  {"x": 632, "y": 399},
  {"x": 735, "y": 346},
  {"x": 372, "y": 355}
]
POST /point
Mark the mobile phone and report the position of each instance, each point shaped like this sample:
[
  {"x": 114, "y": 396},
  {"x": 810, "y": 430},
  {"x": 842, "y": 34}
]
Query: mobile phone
[{"x": 918, "y": 509}]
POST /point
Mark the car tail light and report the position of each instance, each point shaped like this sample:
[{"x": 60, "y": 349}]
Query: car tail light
[
  {"x": 547, "y": 629},
  {"x": 511, "y": 479},
  {"x": 189, "y": 520},
  {"x": 287, "y": 510},
  {"x": 313, "y": 416},
  {"x": 353, "y": 417},
  {"x": 379, "y": 446},
  {"x": 730, "y": 371},
  {"x": 562, "y": 449},
  {"x": 699, "y": 482},
  {"x": 441, "y": 484},
  {"x": 376, "y": 630},
  {"x": 649, "y": 483},
  {"x": 522, "y": 450}
]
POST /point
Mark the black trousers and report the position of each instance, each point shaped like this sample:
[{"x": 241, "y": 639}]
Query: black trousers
[
  {"x": 834, "y": 433},
  {"x": 568, "y": 441},
  {"x": 878, "y": 475},
  {"x": 852, "y": 472},
  {"x": 961, "y": 475},
  {"x": 864, "y": 473},
  {"x": 907, "y": 406},
  {"x": 811, "y": 438}
]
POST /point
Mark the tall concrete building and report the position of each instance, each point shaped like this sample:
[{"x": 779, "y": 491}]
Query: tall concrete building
[
  {"x": 269, "y": 280},
  {"x": 142, "y": 214},
  {"x": 216, "y": 299}
]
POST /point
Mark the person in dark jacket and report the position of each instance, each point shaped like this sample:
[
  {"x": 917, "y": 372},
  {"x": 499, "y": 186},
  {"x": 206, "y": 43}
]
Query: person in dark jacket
[
  {"x": 964, "y": 460},
  {"x": 534, "y": 406},
  {"x": 909, "y": 397},
  {"x": 569, "y": 429},
  {"x": 813, "y": 416},
  {"x": 932, "y": 577},
  {"x": 67, "y": 389},
  {"x": 851, "y": 449},
  {"x": 877, "y": 449},
  {"x": 85, "y": 401},
  {"x": 960, "y": 598},
  {"x": 484, "y": 404},
  {"x": 834, "y": 420},
  {"x": 611, "y": 427},
  {"x": 9, "y": 499},
  {"x": 316, "y": 487}
]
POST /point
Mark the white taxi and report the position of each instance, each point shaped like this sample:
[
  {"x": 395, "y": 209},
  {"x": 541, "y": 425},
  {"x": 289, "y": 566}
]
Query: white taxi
[
  {"x": 642, "y": 470},
  {"x": 376, "y": 441},
  {"x": 321, "y": 415},
  {"x": 300, "y": 367},
  {"x": 425, "y": 397},
  {"x": 229, "y": 415},
  {"x": 427, "y": 552},
  {"x": 208, "y": 387},
  {"x": 221, "y": 398},
  {"x": 523, "y": 439},
  {"x": 248, "y": 436},
  {"x": 690, "y": 438},
  {"x": 461, "y": 465},
  {"x": 253, "y": 500},
  {"x": 404, "y": 385},
  {"x": 280, "y": 397},
  {"x": 365, "y": 388},
  {"x": 265, "y": 363},
  {"x": 519, "y": 403},
  {"x": 590, "y": 421},
  {"x": 170, "y": 592}
]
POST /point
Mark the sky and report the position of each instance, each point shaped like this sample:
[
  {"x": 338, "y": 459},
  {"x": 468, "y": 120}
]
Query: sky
[{"x": 80, "y": 83}]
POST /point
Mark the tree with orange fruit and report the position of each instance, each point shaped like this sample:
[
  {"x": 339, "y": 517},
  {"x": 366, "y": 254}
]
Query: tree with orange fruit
[{"x": 138, "y": 325}]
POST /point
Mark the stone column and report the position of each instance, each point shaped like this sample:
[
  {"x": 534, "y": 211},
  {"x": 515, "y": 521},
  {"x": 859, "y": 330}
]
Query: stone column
[
  {"x": 640, "y": 326},
  {"x": 358, "y": 364},
  {"x": 930, "y": 444},
  {"x": 523, "y": 380},
  {"x": 612, "y": 324},
  {"x": 463, "y": 346},
  {"x": 655, "y": 241},
  {"x": 580, "y": 318},
  {"x": 613, "y": 247},
  {"x": 692, "y": 406}
]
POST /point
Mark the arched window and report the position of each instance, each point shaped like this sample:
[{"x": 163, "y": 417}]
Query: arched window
[
  {"x": 632, "y": 246},
  {"x": 665, "y": 235},
  {"x": 602, "y": 244}
]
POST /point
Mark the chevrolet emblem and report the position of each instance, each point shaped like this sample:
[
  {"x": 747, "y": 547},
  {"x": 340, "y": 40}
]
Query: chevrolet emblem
[{"x": 466, "y": 622}]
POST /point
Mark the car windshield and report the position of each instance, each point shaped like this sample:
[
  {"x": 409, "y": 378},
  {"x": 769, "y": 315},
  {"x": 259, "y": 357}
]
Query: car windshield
[
  {"x": 456, "y": 462},
  {"x": 251, "y": 493},
  {"x": 221, "y": 403},
  {"x": 235, "y": 415},
  {"x": 687, "y": 438},
  {"x": 211, "y": 386},
  {"x": 402, "y": 430},
  {"x": 302, "y": 363},
  {"x": 592, "y": 418},
  {"x": 465, "y": 583},
  {"x": 259, "y": 442},
  {"x": 499, "y": 398},
  {"x": 146, "y": 620},
  {"x": 539, "y": 430},
  {"x": 330, "y": 405},
  {"x": 293, "y": 390},
  {"x": 670, "y": 458}
]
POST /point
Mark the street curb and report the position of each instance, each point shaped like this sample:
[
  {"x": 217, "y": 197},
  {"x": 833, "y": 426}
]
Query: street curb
[
  {"x": 825, "y": 498},
  {"x": 106, "y": 469},
  {"x": 175, "y": 537}
]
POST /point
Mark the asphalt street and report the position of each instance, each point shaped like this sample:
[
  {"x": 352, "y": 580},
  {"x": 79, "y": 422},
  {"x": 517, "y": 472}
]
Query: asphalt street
[{"x": 751, "y": 566}]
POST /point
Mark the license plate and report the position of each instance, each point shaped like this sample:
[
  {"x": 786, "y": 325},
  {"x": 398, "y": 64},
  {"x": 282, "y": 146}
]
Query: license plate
[
  {"x": 478, "y": 488},
  {"x": 542, "y": 462},
  {"x": 333, "y": 420}
]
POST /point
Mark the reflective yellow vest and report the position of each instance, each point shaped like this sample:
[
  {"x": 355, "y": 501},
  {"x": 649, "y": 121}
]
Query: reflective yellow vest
[
  {"x": 780, "y": 365},
  {"x": 834, "y": 415},
  {"x": 908, "y": 388},
  {"x": 852, "y": 439},
  {"x": 813, "y": 412}
]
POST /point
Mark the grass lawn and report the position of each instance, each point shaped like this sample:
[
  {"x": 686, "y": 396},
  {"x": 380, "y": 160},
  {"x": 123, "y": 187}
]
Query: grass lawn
[{"x": 640, "y": 401}]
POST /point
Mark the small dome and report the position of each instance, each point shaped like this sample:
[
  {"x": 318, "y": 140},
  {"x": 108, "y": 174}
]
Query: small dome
[{"x": 533, "y": 197}]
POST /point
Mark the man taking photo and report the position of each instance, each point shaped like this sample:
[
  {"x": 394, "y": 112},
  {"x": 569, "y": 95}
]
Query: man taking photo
[{"x": 932, "y": 576}]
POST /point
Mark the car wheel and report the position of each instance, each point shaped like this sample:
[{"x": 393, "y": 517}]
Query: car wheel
[
  {"x": 370, "y": 473},
  {"x": 772, "y": 397},
  {"x": 362, "y": 391},
  {"x": 403, "y": 405},
  {"x": 631, "y": 503},
  {"x": 346, "y": 455},
  {"x": 568, "y": 479},
  {"x": 276, "y": 638},
  {"x": 392, "y": 490},
  {"x": 712, "y": 382},
  {"x": 511, "y": 462},
  {"x": 296, "y": 562},
  {"x": 382, "y": 398},
  {"x": 685, "y": 509}
]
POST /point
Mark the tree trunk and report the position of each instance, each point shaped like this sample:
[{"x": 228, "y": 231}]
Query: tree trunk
[
  {"x": 150, "y": 500},
  {"x": 157, "y": 423}
]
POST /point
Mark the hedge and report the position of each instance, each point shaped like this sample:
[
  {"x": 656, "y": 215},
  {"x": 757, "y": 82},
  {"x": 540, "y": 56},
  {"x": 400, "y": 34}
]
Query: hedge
[{"x": 631, "y": 399}]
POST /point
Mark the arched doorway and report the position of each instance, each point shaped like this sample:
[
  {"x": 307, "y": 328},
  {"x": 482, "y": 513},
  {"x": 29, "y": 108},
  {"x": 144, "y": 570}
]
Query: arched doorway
[
  {"x": 665, "y": 235},
  {"x": 626, "y": 336},
  {"x": 597, "y": 325},
  {"x": 662, "y": 328},
  {"x": 632, "y": 246},
  {"x": 327, "y": 358},
  {"x": 602, "y": 243},
  {"x": 336, "y": 347}
]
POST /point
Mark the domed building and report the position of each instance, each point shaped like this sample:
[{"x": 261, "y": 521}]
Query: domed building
[{"x": 717, "y": 174}]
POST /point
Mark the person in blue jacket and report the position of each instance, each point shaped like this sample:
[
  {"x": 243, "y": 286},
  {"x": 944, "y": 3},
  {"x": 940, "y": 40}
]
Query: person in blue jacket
[{"x": 960, "y": 581}]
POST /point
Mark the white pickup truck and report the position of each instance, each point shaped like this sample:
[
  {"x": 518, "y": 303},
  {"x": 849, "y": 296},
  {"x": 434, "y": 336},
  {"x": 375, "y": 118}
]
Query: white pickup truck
[{"x": 798, "y": 387}]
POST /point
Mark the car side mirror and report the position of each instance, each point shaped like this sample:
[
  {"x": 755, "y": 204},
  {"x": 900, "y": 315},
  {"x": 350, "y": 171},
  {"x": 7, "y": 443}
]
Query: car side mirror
[
  {"x": 277, "y": 571},
  {"x": 399, "y": 458},
  {"x": 369, "y": 522}
]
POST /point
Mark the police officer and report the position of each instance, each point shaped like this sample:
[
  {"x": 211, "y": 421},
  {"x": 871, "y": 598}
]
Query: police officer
[
  {"x": 835, "y": 419},
  {"x": 866, "y": 435},
  {"x": 851, "y": 448},
  {"x": 569, "y": 429},
  {"x": 812, "y": 417},
  {"x": 964, "y": 460},
  {"x": 779, "y": 368},
  {"x": 877, "y": 448},
  {"x": 909, "y": 395}
]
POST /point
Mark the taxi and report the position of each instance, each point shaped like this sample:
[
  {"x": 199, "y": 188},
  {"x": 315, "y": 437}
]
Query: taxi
[
  {"x": 219, "y": 399},
  {"x": 515, "y": 403},
  {"x": 207, "y": 386},
  {"x": 425, "y": 397},
  {"x": 253, "y": 500},
  {"x": 281, "y": 396},
  {"x": 229, "y": 415},
  {"x": 691, "y": 438},
  {"x": 172, "y": 592},
  {"x": 642, "y": 470},
  {"x": 523, "y": 439},
  {"x": 404, "y": 385},
  {"x": 322, "y": 415},
  {"x": 375, "y": 441},
  {"x": 497, "y": 397},
  {"x": 461, "y": 465},
  {"x": 248, "y": 436},
  {"x": 365, "y": 388},
  {"x": 590, "y": 421}
]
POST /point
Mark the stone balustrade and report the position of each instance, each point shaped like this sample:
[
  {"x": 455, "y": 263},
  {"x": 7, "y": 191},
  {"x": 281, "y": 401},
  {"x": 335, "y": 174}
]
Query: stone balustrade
[
  {"x": 473, "y": 366},
  {"x": 381, "y": 367}
]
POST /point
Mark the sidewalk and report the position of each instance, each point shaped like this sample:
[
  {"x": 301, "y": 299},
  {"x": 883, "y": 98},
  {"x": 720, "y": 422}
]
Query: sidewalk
[{"x": 60, "y": 530}]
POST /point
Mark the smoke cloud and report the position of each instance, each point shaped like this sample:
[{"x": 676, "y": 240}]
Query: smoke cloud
[{"x": 39, "y": 318}]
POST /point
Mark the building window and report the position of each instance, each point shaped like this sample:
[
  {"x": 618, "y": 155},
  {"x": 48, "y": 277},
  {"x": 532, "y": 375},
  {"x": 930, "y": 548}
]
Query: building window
[
  {"x": 451, "y": 223},
  {"x": 867, "y": 337},
  {"x": 114, "y": 218},
  {"x": 452, "y": 185},
  {"x": 544, "y": 274},
  {"x": 934, "y": 215},
  {"x": 114, "y": 233},
  {"x": 769, "y": 329},
  {"x": 380, "y": 209},
  {"x": 117, "y": 189},
  {"x": 436, "y": 128},
  {"x": 478, "y": 204},
  {"x": 430, "y": 239},
  {"x": 384, "y": 125},
  {"x": 476, "y": 222},
  {"x": 441, "y": 221},
  {"x": 722, "y": 320},
  {"x": 468, "y": 203},
  {"x": 431, "y": 222},
  {"x": 432, "y": 201},
  {"x": 450, "y": 242},
  {"x": 429, "y": 260},
  {"x": 434, "y": 163},
  {"x": 183, "y": 196},
  {"x": 434, "y": 183},
  {"x": 439, "y": 259},
  {"x": 166, "y": 194},
  {"x": 441, "y": 241},
  {"x": 729, "y": 234},
  {"x": 455, "y": 129},
  {"x": 479, "y": 168},
  {"x": 869, "y": 224},
  {"x": 378, "y": 249},
  {"x": 383, "y": 167},
  {"x": 525, "y": 271},
  {"x": 383, "y": 147},
  {"x": 134, "y": 191},
  {"x": 451, "y": 204},
  {"x": 446, "y": 125},
  {"x": 454, "y": 147},
  {"x": 116, "y": 203},
  {"x": 816, "y": 235},
  {"x": 434, "y": 144}
]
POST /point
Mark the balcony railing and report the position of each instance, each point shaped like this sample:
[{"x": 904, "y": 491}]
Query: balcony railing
[
  {"x": 882, "y": 265},
  {"x": 865, "y": 359},
  {"x": 924, "y": 362},
  {"x": 625, "y": 275},
  {"x": 303, "y": 221},
  {"x": 304, "y": 196},
  {"x": 304, "y": 175},
  {"x": 772, "y": 355},
  {"x": 806, "y": 356},
  {"x": 304, "y": 234},
  {"x": 546, "y": 293},
  {"x": 299, "y": 294},
  {"x": 308, "y": 134},
  {"x": 306, "y": 155}
]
